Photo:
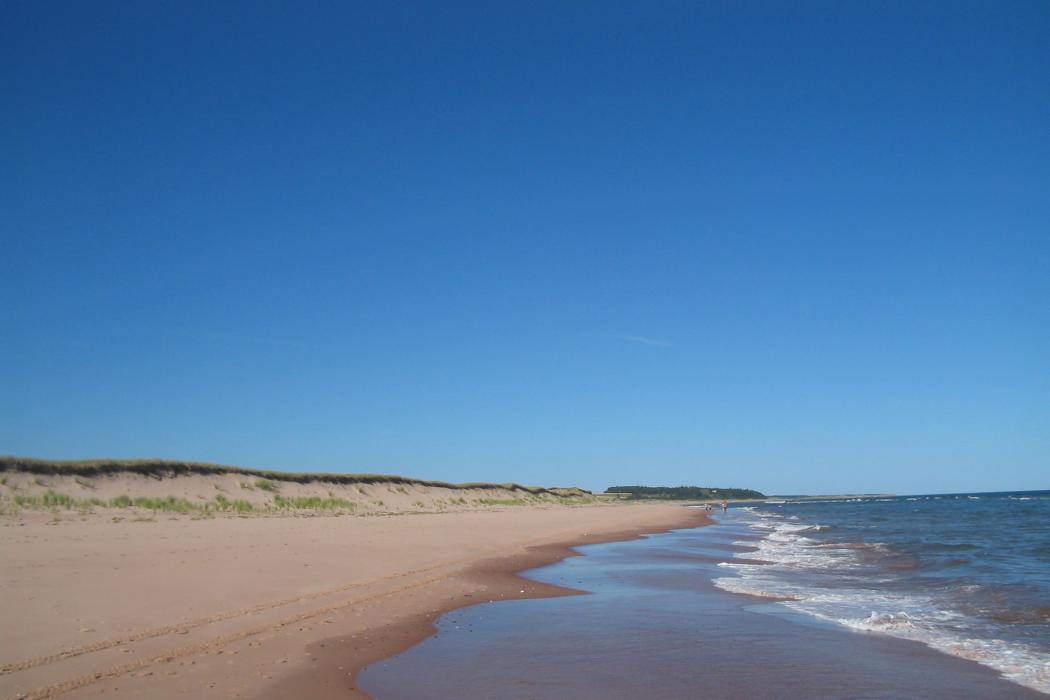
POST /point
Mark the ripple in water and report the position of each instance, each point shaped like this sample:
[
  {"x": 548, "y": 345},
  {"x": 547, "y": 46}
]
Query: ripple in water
[{"x": 966, "y": 575}]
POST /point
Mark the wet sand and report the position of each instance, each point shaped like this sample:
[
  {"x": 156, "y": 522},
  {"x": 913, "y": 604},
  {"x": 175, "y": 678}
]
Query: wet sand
[
  {"x": 655, "y": 627},
  {"x": 264, "y": 607}
]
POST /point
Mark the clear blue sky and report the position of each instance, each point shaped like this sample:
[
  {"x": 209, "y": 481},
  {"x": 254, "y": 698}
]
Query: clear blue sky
[{"x": 799, "y": 247}]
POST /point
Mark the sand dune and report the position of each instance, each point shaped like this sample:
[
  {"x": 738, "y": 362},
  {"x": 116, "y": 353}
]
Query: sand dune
[{"x": 71, "y": 489}]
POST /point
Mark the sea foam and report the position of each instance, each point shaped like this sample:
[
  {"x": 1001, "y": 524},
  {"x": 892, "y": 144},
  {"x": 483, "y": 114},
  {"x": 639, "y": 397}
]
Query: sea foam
[{"x": 848, "y": 583}]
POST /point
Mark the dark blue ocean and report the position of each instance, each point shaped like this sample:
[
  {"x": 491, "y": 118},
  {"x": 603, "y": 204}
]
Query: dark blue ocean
[{"x": 966, "y": 574}]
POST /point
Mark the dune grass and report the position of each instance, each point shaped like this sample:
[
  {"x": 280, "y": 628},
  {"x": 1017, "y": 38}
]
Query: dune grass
[
  {"x": 160, "y": 468},
  {"x": 48, "y": 499},
  {"x": 502, "y": 501},
  {"x": 313, "y": 503},
  {"x": 54, "y": 500},
  {"x": 236, "y": 505},
  {"x": 168, "y": 504},
  {"x": 266, "y": 485}
]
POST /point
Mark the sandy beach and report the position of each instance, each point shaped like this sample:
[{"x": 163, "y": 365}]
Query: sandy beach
[{"x": 264, "y": 606}]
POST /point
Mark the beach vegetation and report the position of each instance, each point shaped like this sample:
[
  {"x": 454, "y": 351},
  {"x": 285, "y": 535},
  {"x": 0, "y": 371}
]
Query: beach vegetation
[
  {"x": 48, "y": 499},
  {"x": 51, "y": 499},
  {"x": 313, "y": 503},
  {"x": 158, "y": 468},
  {"x": 169, "y": 504},
  {"x": 501, "y": 501},
  {"x": 235, "y": 505},
  {"x": 266, "y": 485}
]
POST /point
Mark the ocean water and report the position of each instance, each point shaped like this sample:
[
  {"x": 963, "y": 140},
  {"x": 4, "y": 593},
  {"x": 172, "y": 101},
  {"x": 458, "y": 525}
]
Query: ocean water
[
  {"x": 910, "y": 600},
  {"x": 965, "y": 574}
]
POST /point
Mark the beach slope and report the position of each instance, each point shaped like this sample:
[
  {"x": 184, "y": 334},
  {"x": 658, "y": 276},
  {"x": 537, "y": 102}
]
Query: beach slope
[{"x": 241, "y": 607}]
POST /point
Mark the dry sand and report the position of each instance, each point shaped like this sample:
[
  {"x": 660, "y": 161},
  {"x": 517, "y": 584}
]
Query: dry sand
[{"x": 263, "y": 606}]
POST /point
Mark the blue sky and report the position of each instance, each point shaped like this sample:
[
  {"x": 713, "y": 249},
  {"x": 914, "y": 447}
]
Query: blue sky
[{"x": 798, "y": 247}]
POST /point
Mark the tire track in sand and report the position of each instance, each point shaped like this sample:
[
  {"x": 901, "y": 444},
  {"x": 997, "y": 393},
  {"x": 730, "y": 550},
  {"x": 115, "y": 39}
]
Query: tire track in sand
[
  {"x": 180, "y": 627},
  {"x": 71, "y": 684}
]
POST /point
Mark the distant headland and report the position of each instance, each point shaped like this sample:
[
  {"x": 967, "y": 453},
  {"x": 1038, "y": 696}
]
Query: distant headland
[{"x": 683, "y": 493}]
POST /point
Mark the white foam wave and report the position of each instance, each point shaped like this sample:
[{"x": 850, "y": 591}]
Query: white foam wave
[
  {"x": 795, "y": 565},
  {"x": 739, "y": 585}
]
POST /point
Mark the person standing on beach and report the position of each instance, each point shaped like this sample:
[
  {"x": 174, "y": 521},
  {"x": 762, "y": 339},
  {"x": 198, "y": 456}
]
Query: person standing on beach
[{"x": 725, "y": 506}]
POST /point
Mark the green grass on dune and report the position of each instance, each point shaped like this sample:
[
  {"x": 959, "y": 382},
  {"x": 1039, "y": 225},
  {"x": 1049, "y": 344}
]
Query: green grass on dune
[
  {"x": 313, "y": 503},
  {"x": 53, "y": 500},
  {"x": 236, "y": 505},
  {"x": 173, "y": 504},
  {"x": 160, "y": 468}
]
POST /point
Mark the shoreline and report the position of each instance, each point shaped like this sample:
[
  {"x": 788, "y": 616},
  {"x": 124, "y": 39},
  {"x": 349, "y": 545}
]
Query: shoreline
[
  {"x": 647, "y": 631},
  {"x": 342, "y": 658},
  {"x": 232, "y": 607}
]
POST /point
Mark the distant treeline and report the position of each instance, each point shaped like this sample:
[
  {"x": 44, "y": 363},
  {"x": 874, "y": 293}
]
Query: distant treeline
[{"x": 685, "y": 493}]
